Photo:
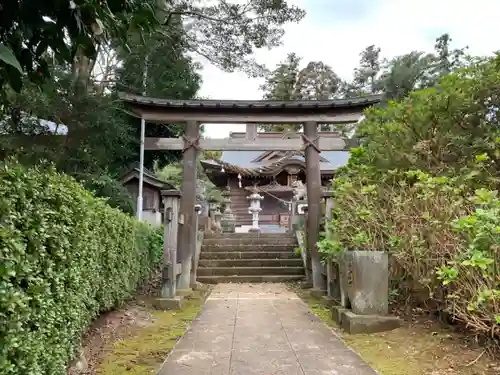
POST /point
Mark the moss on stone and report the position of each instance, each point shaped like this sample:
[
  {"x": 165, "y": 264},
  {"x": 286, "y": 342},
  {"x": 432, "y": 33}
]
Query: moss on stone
[
  {"x": 144, "y": 350},
  {"x": 412, "y": 350}
]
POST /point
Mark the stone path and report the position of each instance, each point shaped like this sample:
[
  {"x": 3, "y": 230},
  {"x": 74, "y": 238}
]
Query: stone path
[{"x": 261, "y": 329}]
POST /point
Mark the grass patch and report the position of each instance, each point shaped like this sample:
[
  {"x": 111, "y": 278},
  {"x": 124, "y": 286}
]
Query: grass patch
[
  {"x": 420, "y": 348},
  {"x": 144, "y": 349}
]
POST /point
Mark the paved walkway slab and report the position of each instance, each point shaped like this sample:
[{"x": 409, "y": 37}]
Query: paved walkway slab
[{"x": 261, "y": 329}]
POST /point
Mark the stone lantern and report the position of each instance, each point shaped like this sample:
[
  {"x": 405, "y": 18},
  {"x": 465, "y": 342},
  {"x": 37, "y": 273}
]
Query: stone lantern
[
  {"x": 254, "y": 209},
  {"x": 218, "y": 219},
  {"x": 212, "y": 204},
  {"x": 228, "y": 221}
]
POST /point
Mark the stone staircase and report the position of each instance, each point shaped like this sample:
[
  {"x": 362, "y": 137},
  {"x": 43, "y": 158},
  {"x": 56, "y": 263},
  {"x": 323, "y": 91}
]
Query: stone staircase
[{"x": 249, "y": 257}]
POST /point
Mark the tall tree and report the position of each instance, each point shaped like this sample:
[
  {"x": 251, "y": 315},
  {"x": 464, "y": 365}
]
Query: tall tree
[
  {"x": 365, "y": 76},
  {"x": 280, "y": 84},
  {"x": 316, "y": 81},
  {"x": 406, "y": 73},
  {"x": 170, "y": 73},
  {"x": 446, "y": 59},
  {"x": 416, "y": 70}
]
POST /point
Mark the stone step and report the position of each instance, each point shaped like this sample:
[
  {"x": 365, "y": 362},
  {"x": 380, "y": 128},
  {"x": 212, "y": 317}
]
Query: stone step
[
  {"x": 294, "y": 262},
  {"x": 249, "y": 271},
  {"x": 290, "y": 241},
  {"x": 248, "y": 247},
  {"x": 248, "y": 255},
  {"x": 249, "y": 279},
  {"x": 251, "y": 235}
]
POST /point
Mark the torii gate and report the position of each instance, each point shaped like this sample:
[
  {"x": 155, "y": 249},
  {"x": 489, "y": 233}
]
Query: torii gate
[{"x": 310, "y": 113}]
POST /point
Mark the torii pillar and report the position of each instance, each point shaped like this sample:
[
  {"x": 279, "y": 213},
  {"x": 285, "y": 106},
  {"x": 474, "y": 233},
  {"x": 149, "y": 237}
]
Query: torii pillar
[
  {"x": 313, "y": 183},
  {"x": 187, "y": 231}
]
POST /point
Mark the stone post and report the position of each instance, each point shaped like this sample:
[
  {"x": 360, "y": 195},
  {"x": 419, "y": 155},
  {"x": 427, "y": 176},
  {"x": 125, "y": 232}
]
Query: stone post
[
  {"x": 292, "y": 225},
  {"x": 332, "y": 267},
  {"x": 328, "y": 195},
  {"x": 171, "y": 205},
  {"x": 364, "y": 281},
  {"x": 217, "y": 218},
  {"x": 254, "y": 209},
  {"x": 194, "y": 264},
  {"x": 307, "y": 255},
  {"x": 228, "y": 220}
]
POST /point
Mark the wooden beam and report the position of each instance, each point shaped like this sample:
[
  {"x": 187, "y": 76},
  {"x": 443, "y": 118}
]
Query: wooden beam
[
  {"x": 157, "y": 115},
  {"x": 241, "y": 144}
]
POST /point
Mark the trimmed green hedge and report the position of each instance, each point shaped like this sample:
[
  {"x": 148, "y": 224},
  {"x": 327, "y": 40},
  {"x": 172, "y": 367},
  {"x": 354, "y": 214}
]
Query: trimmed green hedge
[{"x": 65, "y": 256}]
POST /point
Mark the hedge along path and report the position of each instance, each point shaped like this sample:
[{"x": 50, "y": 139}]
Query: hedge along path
[{"x": 66, "y": 257}]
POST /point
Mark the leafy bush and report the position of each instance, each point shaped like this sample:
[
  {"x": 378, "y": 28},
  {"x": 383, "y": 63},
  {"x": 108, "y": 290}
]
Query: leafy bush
[
  {"x": 66, "y": 257},
  {"x": 473, "y": 274},
  {"x": 423, "y": 187}
]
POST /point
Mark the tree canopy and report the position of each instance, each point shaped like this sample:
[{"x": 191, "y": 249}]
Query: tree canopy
[
  {"x": 90, "y": 50},
  {"x": 33, "y": 32},
  {"x": 398, "y": 76}
]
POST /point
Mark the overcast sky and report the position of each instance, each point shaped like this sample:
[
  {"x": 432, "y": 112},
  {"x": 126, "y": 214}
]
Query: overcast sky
[{"x": 335, "y": 31}]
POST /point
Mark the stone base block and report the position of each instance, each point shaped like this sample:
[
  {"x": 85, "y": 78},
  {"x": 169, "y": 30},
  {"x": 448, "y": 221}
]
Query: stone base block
[
  {"x": 169, "y": 303},
  {"x": 329, "y": 301},
  {"x": 305, "y": 285},
  {"x": 204, "y": 290},
  {"x": 254, "y": 230},
  {"x": 197, "y": 286},
  {"x": 317, "y": 293},
  {"x": 184, "y": 292},
  {"x": 353, "y": 323}
]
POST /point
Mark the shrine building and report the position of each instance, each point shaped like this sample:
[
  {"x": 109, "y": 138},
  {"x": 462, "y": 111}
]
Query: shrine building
[{"x": 273, "y": 174}]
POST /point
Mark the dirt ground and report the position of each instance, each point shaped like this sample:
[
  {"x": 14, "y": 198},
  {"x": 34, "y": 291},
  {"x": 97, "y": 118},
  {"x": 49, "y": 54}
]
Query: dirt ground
[{"x": 421, "y": 347}]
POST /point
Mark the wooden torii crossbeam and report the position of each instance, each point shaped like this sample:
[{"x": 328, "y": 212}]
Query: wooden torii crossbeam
[
  {"x": 195, "y": 112},
  {"x": 228, "y": 144},
  {"x": 247, "y": 111}
]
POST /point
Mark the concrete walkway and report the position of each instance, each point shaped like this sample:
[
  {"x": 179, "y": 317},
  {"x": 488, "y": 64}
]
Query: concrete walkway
[{"x": 260, "y": 329}]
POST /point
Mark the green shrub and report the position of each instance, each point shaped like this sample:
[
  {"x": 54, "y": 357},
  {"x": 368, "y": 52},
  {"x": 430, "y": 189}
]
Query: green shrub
[
  {"x": 423, "y": 187},
  {"x": 65, "y": 256}
]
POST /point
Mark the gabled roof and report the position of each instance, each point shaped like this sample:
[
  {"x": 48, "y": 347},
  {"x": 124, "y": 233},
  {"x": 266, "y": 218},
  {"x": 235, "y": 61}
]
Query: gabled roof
[
  {"x": 245, "y": 159},
  {"x": 269, "y": 156},
  {"x": 148, "y": 176},
  {"x": 242, "y": 164}
]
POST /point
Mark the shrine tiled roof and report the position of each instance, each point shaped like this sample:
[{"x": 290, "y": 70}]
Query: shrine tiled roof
[
  {"x": 271, "y": 187},
  {"x": 235, "y": 104},
  {"x": 242, "y": 164},
  {"x": 244, "y": 159}
]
